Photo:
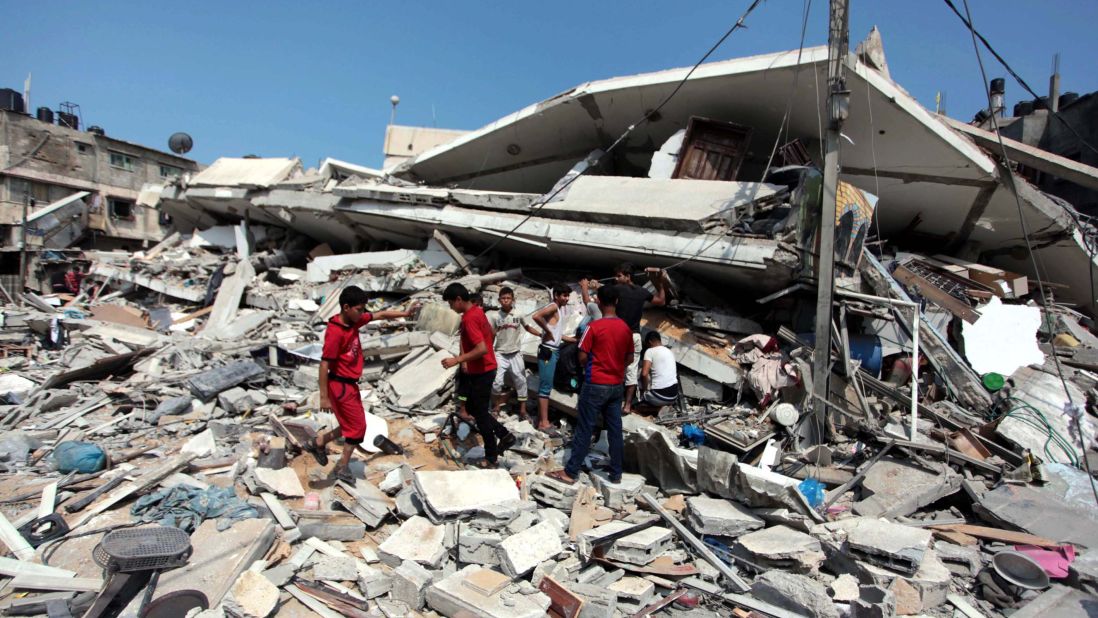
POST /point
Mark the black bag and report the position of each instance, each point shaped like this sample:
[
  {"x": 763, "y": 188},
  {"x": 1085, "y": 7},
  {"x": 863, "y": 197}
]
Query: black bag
[{"x": 569, "y": 374}]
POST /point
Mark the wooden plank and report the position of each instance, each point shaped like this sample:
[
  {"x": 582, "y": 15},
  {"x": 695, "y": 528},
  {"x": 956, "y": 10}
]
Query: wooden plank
[
  {"x": 193, "y": 315},
  {"x": 69, "y": 584},
  {"x": 312, "y": 603},
  {"x": 957, "y": 538},
  {"x": 281, "y": 515},
  {"x": 49, "y": 500},
  {"x": 15, "y": 541},
  {"x": 998, "y": 534},
  {"x": 10, "y": 567},
  {"x": 562, "y": 601}
]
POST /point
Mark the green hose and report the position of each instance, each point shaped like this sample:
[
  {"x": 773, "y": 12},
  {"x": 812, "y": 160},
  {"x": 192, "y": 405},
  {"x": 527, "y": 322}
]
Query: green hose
[{"x": 1036, "y": 419}]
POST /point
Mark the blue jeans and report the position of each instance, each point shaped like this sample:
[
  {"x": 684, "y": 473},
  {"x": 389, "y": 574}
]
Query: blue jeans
[
  {"x": 595, "y": 401},
  {"x": 546, "y": 370}
]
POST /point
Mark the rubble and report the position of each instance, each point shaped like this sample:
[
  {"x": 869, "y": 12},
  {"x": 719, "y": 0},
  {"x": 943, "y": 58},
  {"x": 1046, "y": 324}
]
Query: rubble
[{"x": 194, "y": 366}]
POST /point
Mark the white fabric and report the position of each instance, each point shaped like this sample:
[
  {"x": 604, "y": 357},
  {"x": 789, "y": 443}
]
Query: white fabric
[
  {"x": 510, "y": 365},
  {"x": 664, "y": 371},
  {"x": 633, "y": 368}
]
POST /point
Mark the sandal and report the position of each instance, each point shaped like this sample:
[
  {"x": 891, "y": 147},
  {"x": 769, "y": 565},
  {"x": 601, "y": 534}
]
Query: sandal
[
  {"x": 562, "y": 476},
  {"x": 484, "y": 464}
]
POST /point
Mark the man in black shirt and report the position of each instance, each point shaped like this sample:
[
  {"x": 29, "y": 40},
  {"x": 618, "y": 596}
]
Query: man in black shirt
[{"x": 631, "y": 301}]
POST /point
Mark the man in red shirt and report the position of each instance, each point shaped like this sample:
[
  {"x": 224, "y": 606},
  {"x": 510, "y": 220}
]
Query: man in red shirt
[
  {"x": 478, "y": 362},
  {"x": 605, "y": 350},
  {"x": 340, "y": 370}
]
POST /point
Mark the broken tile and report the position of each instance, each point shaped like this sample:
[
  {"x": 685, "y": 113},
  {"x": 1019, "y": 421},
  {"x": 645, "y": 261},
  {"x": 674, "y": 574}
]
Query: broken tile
[{"x": 417, "y": 540}]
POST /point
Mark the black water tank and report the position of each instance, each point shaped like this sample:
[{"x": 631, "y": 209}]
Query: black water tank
[
  {"x": 44, "y": 114},
  {"x": 1040, "y": 103},
  {"x": 66, "y": 119},
  {"x": 1068, "y": 98},
  {"x": 11, "y": 100},
  {"x": 1023, "y": 108},
  {"x": 998, "y": 86},
  {"x": 982, "y": 115},
  {"x": 98, "y": 130}
]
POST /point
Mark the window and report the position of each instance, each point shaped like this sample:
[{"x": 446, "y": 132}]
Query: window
[
  {"x": 121, "y": 209},
  {"x": 170, "y": 171},
  {"x": 123, "y": 161},
  {"x": 83, "y": 148}
]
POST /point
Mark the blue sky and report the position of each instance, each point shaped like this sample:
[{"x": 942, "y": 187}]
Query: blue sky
[{"x": 313, "y": 80}]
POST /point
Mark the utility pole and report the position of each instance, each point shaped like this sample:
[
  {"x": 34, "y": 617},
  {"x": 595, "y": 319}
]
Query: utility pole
[
  {"x": 838, "y": 101},
  {"x": 23, "y": 248}
]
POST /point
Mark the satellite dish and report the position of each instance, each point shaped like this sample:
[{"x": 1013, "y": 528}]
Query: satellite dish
[{"x": 180, "y": 143}]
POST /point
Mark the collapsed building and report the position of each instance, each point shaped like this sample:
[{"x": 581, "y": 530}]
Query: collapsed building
[{"x": 954, "y": 486}]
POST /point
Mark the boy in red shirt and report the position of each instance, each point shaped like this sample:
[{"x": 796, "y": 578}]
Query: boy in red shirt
[
  {"x": 605, "y": 350},
  {"x": 340, "y": 370},
  {"x": 478, "y": 361}
]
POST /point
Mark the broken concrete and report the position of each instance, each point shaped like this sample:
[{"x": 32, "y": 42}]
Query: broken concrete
[
  {"x": 781, "y": 547},
  {"x": 453, "y": 596},
  {"x": 447, "y": 493},
  {"x": 520, "y": 553},
  {"x": 714, "y": 516},
  {"x": 417, "y": 540}
]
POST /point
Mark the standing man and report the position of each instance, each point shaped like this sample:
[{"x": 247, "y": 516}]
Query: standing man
[
  {"x": 605, "y": 350},
  {"x": 631, "y": 300},
  {"x": 508, "y": 328},
  {"x": 478, "y": 363},
  {"x": 340, "y": 370},
  {"x": 551, "y": 319}
]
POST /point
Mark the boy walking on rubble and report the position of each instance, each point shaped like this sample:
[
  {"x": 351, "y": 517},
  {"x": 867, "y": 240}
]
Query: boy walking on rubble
[
  {"x": 605, "y": 350},
  {"x": 478, "y": 371},
  {"x": 508, "y": 327},
  {"x": 340, "y": 370}
]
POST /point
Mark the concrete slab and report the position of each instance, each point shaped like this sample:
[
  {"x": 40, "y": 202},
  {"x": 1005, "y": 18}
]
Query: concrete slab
[
  {"x": 890, "y": 545},
  {"x": 781, "y": 547},
  {"x": 417, "y": 540},
  {"x": 410, "y": 581},
  {"x": 639, "y": 548},
  {"x": 336, "y": 568},
  {"x": 617, "y": 495},
  {"x": 478, "y": 547},
  {"x": 451, "y": 493},
  {"x": 520, "y": 553},
  {"x": 795, "y": 593},
  {"x": 551, "y": 492},
  {"x": 715, "y": 471},
  {"x": 421, "y": 379},
  {"x": 452, "y": 596},
  {"x": 719, "y": 517},
  {"x": 252, "y": 596},
  {"x": 283, "y": 482},
  {"x": 897, "y": 488}
]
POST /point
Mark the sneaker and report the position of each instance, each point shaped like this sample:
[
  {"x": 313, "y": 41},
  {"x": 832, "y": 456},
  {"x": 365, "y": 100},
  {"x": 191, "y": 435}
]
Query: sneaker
[
  {"x": 317, "y": 452},
  {"x": 506, "y": 442},
  {"x": 345, "y": 475}
]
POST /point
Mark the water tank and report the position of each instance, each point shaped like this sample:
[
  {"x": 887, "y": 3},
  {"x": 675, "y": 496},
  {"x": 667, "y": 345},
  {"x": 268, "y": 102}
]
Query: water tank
[
  {"x": 44, "y": 114},
  {"x": 98, "y": 130},
  {"x": 1023, "y": 108},
  {"x": 1040, "y": 103},
  {"x": 1068, "y": 98},
  {"x": 11, "y": 100},
  {"x": 998, "y": 86},
  {"x": 180, "y": 143},
  {"x": 66, "y": 119}
]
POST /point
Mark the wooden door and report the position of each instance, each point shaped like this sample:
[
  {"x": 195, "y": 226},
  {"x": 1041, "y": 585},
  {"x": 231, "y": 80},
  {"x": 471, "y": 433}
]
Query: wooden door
[{"x": 712, "y": 150}]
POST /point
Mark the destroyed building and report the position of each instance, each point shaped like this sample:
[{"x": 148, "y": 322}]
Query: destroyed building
[{"x": 170, "y": 400}]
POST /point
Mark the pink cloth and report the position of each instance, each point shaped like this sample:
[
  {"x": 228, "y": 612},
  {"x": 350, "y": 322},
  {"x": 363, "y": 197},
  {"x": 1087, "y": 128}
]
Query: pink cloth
[{"x": 1054, "y": 561}]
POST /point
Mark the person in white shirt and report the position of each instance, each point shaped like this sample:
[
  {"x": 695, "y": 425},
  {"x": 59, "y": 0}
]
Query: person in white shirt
[
  {"x": 508, "y": 327},
  {"x": 659, "y": 374}
]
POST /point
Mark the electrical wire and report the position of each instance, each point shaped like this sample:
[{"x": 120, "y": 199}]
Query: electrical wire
[
  {"x": 1017, "y": 78},
  {"x": 1029, "y": 246},
  {"x": 537, "y": 206}
]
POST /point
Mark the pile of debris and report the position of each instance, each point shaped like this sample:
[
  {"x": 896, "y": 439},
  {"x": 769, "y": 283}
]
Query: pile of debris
[{"x": 176, "y": 391}]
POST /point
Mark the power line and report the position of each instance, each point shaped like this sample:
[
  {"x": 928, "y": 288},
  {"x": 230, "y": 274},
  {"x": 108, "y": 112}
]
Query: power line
[
  {"x": 1014, "y": 74},
  {"x": 1029, "y": 246}
]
